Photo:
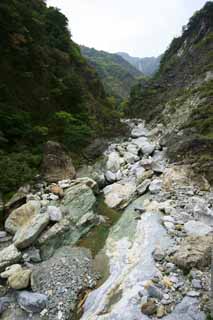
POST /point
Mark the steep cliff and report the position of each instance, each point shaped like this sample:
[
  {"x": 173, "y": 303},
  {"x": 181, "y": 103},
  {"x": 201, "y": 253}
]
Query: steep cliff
[{"x": 181, "y": 94}]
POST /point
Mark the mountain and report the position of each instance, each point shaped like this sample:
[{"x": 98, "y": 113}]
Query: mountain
[
  {"x": 180, "y": 96},
  {"x": 148, "y": 66},
  {"x": 117, "y": 75},
  {"x": 47, "y": 90}
]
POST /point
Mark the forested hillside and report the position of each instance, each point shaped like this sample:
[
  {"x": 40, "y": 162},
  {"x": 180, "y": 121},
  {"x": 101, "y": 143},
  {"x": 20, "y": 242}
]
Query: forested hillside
[
  {"x": 181, "y": 94},
  {"x": 47, "y": 89},
  {"x": 117, "y": 75}
]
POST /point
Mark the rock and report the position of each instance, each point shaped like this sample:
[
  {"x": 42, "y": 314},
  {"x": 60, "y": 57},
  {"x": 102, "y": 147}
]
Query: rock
[
  {"x": 144, "y": 145},
  {"x": 194, "y": 252},
  {"x": 132, "y": 148},
  {"x": 188, "y": 309},
  {"x": 4, "y": 304},
  {"x": 32, "y": 302},
  {"x": 155, "y": 186},
  {"x": 78, "y": 200},
  {"x": 113, "y": 162},
  {"x": 169, "y": 226},
  {"x": 57, "y": 190},
  {"x": 64, "y": 276},
  {"x": 3, "y": 234},
  {"x": 143, "y": 187},
  {"x": 168, "y": 219},
  {"x": 161, "y": 311},
  {"x": 196, "y": 228},
  {"x": 32, "y": 255},
  {"x": 96, "y": 148},
  {"x": 119, "y": 194},
  {"x": 54, "y": 213},
  {"x": 8, "y": 256},
  {"x": 158, "y": 167},
  {"x": 139, "y": 173},
  {"x": 59, "y": 234},
  {"x": 3, "y": 291},
  {"x": 56, "y": 165},
  {"x": 158, "y": 254},
  {"x": 139, "y": 131},
  {"x": 147, "y": 163},
  {"x": 64, "y": 184},
  {"x": 19, "y": 197},
  {"x": 154, "y": 292},
  {"x": 27, "y": 235},
  {"x": 22, "y": 216},
  {"x": 149, "y": 308},
  {"x": 193, "y": 294},
  {"x": 110, "y": 176},
  {"x": 130, "y": 157},
  {"x": 196, "y": 284},
  {"x": 11, "y": 270},
  {"x": 19, "y": 279}
]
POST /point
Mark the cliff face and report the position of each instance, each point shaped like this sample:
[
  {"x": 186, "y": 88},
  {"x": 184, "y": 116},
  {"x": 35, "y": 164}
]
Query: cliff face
[
  {"x": 117, "y": 75},
  {"x": 148, "y": 65},
  {"x": 181, "y": 94}
]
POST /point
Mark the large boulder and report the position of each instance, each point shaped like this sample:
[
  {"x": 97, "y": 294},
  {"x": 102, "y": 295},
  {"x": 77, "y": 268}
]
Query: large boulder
[
  {"x": 22, "y": 216},
  {"x": 194, "y": 252},
  {"x": 113, "y": 162},
  {"x": 139, "y": 131},
  {"x": 56, "y": 165},
  {"x": 196, "y": 228},
  {"x": 32, "y": 302},
  {"x": 18, "y": 198},
  {"x": 78, "y": 200},
  {"x": 27, "y": 235},
  {"x": 64, "y": 277},
  {"x": 119, "y": 194},
  {"x": 144, "y": 145},
  {"x": 8, "y": 256}
]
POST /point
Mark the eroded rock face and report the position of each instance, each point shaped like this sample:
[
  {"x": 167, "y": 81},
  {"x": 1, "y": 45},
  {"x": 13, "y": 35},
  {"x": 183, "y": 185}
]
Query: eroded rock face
[
  {"x": 194, "y": 252},
  {"x": 57, "y": 165},
  {"x": 22, "y": 216},
  {"x": 71, "y": 272}
]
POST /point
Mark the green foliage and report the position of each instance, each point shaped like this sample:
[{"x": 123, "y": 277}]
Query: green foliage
[
  {"x": 116, "y": 73},
  {"x": 17, "y": 169},
  {"x": 47, "y": 89}
]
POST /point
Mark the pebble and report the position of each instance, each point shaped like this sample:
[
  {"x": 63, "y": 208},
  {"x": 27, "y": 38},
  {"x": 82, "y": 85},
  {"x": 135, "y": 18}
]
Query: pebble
[{"x": 193, "y": 294}]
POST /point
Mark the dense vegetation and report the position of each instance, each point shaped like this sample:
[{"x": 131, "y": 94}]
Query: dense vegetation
[
  {"x": 117, "y": 75},
  {"x": 47, "y": 90},
  {"x": 148, "y": 65},
  {"x": 181, "y": 93}
]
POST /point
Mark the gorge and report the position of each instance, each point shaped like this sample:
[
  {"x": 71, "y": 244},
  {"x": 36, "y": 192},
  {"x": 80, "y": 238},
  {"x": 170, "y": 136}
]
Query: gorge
[{"x": 106, "y": 204}]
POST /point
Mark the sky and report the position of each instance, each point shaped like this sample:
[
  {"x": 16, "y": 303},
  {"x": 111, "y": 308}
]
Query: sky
[{"x": 139, "y": 27}]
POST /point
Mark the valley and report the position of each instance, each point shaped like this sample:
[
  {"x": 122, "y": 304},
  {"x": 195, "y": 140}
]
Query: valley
[{"x": 106, "y": 196}]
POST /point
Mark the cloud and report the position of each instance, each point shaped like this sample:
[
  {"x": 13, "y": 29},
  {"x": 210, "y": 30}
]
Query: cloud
[{"x": 139, "y": 27}]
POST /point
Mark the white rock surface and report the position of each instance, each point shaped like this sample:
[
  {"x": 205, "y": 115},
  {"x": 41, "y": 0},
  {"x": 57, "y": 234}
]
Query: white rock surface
[{"x": 196, "y": 228}]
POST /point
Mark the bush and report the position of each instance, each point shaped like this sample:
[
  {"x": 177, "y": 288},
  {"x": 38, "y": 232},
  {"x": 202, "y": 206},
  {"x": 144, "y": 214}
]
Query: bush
[{"x": 17, "y": 169}]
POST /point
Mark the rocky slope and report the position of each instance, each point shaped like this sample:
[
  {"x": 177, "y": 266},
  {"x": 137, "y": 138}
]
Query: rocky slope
[
  {"x": 117, "y": 75},
  {"x": 180, "y": 95},
  {"x": 156, "y": 259},
  {"x": 148, "y": 65}
]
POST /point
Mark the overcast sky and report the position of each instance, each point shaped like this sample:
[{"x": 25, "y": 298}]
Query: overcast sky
[{"x": 138, "y": 27}]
